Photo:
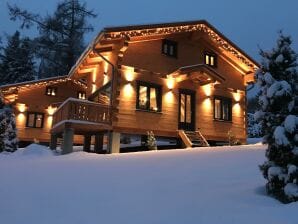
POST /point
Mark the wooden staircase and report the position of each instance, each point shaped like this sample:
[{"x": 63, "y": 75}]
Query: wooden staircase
[{"x": 193, "y": 139}]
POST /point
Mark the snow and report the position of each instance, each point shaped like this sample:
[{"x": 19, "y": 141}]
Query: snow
[
  {"x": 279, "y": 88},
  {"x": 268, "y": 78},
  {"x": 291, "y": 190},
  {"x": 291, "y": 122},
  {"x": 280, "y": 137},
  {"x": 279, "y": 58},
  {"x": 274, "y": 171},
  {"x": 200, "y": 185}
]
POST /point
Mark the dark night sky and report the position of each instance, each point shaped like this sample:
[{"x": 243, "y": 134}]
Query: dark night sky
[{"x": 248, "y": 23}]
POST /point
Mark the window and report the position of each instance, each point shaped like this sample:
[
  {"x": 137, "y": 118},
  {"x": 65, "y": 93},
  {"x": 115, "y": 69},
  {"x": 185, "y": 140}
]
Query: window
[
  {"x": 148, "y": 97},
  {"x": 34, "y": 120},
  {"x": 51, "y": 91},
  {"x": 222, "y": 109},
  {"x": 210, "y": 59},
  {"x": 169, "y": 48},
  {"x": 82, "y": 95}
]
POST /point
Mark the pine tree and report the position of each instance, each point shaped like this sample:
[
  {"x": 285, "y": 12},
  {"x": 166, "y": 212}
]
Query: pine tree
[
  {"x": 10, "y": 137},
  {"x": 277, "y": 116},
  {"x": 61, "y": 35},
  {"x": 151, "y": 141},
  {"x": 17, "y": 64},
  {"x": 2, "y": 124}
]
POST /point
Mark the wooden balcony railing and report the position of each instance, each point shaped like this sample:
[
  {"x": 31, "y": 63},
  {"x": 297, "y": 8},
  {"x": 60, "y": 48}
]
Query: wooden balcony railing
[{"x": 82, "y": 110}]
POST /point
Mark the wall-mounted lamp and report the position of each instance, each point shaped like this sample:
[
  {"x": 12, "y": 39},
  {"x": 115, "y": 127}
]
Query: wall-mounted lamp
[
  {"x": 51, "y": 110},
  {"x": 21, "y": 107},
  {"x": 170, "y": 82}
]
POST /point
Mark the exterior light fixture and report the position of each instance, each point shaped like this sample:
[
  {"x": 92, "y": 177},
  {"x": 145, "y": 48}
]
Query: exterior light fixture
[{"x": 21, "y": 107}]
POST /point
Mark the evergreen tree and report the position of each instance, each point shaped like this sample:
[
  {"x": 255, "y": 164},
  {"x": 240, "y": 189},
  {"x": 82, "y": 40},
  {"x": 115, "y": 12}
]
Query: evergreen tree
[
  {"x": 10, "y": 137},
  {"x": 61, "y": 39},
  {"x": 8, "y": 131},
  {"x": 277, "y": 116},
  {"x": 17, "y": 61}
]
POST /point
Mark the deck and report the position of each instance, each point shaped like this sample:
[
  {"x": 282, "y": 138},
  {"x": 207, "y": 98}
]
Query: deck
[{"x": 82, "y": 116}]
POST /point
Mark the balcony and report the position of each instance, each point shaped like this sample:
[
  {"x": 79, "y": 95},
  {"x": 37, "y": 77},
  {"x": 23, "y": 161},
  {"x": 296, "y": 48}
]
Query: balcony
[{"x": 82, "y": 116}]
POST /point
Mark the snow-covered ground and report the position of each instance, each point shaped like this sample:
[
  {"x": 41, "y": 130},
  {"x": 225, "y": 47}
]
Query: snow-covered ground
[{"x": 202, "y": 185}]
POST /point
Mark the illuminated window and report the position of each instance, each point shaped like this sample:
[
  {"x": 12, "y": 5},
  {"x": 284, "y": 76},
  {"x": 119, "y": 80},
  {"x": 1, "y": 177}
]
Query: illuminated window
[
  {"x": 34, "y": 120},
  {"x": 169, "y": 48},
  {"x": 82, "y": 95},
  {"x": 222, "y": 109},
  {"x": 51, "y": 91},
  {"x": 210, "y": 59},
  {"x": 148, "y": 97}
]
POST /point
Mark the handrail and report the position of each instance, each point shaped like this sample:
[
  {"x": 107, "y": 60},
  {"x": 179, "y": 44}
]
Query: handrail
[{"x": 82, "y": 110}]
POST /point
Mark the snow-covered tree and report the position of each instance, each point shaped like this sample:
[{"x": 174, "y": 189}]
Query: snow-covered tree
[
  {"x": 8, "y": 131},
  {"x": 151, "y": 141},
  {"x": 61, "y": 35},
  {"x": 17, "y": 60},
  {"x": 277, "y": 116},
  {"x": 254, "y": 129}
]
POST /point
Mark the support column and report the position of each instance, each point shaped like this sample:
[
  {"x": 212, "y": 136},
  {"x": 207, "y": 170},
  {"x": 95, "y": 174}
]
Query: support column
[
  {"x": 67, "y": 146},
  {"x": 98, "y": 145},
  {"x": 114, "y": 142},
  {"x": 87, "y": 143},
  {"x": 53, "y": 142}
]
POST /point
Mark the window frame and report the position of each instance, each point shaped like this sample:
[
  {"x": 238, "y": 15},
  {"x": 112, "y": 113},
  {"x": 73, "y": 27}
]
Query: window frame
[
  {"x": 158, "y": 96},
  {"x": 223, "y": 100},
  {"x": 210, "y": 54},
  {"x": 52, "y": 89},
  {"x": 170, "y": 43},
  {"x": 35, "y": 119}
]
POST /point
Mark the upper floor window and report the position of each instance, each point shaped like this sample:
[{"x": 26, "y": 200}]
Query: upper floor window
[
  {"x": 148, "y": 97},
  {"x": 34, "y": 120},
  {"x": 222, "y": 109},
  {"x": 82, "y": 95},
  {"x": 169, "y": 48},
  {"x": 51, "y": 91},
  {"x": 210, "y": 59}
]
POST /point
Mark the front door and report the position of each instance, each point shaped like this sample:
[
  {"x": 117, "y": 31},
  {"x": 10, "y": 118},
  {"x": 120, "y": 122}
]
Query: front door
[{"x": 186, "y": 117}]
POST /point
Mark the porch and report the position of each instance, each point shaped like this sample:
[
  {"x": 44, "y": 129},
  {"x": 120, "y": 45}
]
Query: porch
[{"x": 86, "y": 118}]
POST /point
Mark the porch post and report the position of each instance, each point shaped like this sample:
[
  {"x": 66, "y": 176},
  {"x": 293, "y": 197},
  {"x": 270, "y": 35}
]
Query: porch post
[
  {"x": 53, "y": 142},
  {"x": 67, "y": 146},
  {"x": 114, "y": 142},
  {"x": 87, "y": 143},
  {"x": 98, "y": 144}
]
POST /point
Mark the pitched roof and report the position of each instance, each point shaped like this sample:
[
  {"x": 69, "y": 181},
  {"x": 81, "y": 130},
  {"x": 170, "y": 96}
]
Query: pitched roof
[{"x": 109, "y": 33}]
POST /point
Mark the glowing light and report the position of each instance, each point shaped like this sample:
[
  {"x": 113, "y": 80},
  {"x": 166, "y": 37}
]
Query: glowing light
[
  {"x": 170, "y": 82},
  {"x": 105, "y": 78},
  {"x": 21, "y": 118},
  {"x": 49, "y": 121},
  {"x": 207, "y": 105},
  {"x": 237, "y": 109},
  {"x": 169, "y": 97},
  {"x": 94, "y": 74},
  {"x": 93, "y": 88},
  {"x": 129, "y": 73},
  {"x": 128, "y": 90},
  {"x": 51, "y": 110},
  {"x": 21, "y": 107},
  {"x": 237, "y": 96},
  {"x": 207, "y": 90}
]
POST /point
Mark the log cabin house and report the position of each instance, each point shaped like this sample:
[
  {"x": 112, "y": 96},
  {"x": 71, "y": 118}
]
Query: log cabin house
[{"x": 184, "y": 80}]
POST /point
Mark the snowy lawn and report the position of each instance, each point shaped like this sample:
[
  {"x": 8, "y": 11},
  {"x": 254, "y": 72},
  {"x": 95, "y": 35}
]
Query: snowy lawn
[{"x": 203, "y": 185}]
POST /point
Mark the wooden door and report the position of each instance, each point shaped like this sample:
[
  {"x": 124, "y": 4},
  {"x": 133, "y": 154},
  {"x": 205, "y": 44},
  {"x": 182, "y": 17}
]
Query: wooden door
[{"x": 186, "y": 116}]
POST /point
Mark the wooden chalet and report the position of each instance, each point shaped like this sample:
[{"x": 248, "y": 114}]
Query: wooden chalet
[{"x": 183, "y": 80}]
